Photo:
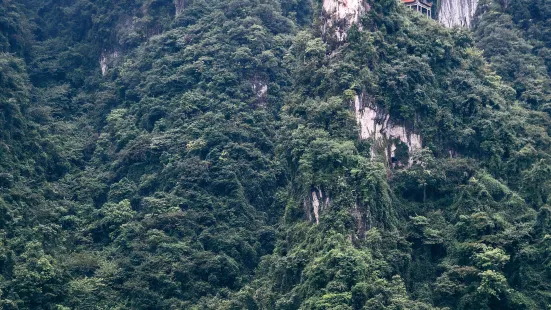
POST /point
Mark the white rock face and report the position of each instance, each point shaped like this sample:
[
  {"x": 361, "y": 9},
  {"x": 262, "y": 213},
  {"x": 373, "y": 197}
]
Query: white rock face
[
  {"x": 260, "y": 88},
  {"x": 179, "y": 5},
  {"x": 315, "y": 204},
  {"x": 341, "y": 14},
  {"x": 371, "y": 122},
  {"x": 106, "y": 59},
  {"x": 457, "y": 13},
  {"x": 103, "y": 64},
  {"x": 377, "y": 126}
]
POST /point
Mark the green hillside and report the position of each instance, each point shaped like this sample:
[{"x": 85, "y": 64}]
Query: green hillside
[{"x": 243, "y": 154}]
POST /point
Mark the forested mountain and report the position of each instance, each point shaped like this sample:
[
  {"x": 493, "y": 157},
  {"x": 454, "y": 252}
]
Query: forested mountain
[{"x": 281, "y": 154}]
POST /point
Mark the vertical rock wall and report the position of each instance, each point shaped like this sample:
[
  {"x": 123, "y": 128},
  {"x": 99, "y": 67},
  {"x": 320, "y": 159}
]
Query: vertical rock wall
[
  {"x": 315, "y": 203},
  {"x": 106, "y": 60},
  {"x": 453, "y": 13},
  {"x": 260, "y": 89},
  {"x": 384, "y": 134},
  {"x": 179, "y": 6},
  {"x": 339, "y": 15}
]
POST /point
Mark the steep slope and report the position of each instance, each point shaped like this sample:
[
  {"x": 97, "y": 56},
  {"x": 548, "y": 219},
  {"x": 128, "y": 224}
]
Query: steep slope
[
  {"x": 517, "y": 51},
  {"x": 244, "y": 154},
  {"x": 175, "y": 182},
  {"x": 443, "y": 232}
]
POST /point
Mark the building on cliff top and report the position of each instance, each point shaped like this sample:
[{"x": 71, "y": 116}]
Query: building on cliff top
[{"x": 420, "y": 6}]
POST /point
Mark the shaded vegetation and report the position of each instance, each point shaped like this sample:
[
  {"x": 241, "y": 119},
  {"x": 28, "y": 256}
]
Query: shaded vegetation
[{"x": 182, "y": 176}]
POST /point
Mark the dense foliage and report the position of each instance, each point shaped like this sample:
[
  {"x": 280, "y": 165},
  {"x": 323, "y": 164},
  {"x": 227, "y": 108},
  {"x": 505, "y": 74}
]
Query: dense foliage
[{"x": 160, "y": 154}]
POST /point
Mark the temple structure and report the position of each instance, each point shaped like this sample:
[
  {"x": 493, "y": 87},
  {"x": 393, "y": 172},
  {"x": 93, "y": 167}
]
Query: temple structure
[{"x": 420, "y": 6}]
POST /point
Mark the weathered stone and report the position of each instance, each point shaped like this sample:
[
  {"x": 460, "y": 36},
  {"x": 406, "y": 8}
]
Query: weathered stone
[
  {"x": 376, "y": 125},
  {"x": 340, "y": 15},
  {"x": 453, "y": 13}
]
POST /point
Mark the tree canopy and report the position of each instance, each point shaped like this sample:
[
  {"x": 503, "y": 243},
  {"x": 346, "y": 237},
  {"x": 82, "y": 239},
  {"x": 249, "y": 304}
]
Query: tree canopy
[{"x": 205, "y": 154}]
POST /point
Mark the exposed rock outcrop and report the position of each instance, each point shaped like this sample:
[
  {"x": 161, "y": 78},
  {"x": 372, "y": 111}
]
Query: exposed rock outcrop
[
  {"x": 340, "y": 15},
  {"x": 315, "y": 204},
  {"x": 453, "y": 13},
  {"x": 385, "y": 135},
  {"x": 106, "y": 60},
  {"x": 260, "y": 88},
  {"x": 179, "y": 6}
]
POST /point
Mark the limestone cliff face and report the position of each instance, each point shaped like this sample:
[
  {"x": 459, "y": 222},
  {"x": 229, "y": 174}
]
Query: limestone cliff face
[
  {"x": 459, "y": 13},
  {"x": 179, "y": 6},
  {"x": 106, "y": 60},
  {"x": 315, "y": 203},
  {"x": 384, "y": 134},
  {"x": 339, "y": 15},
  {"x": 260, "y": 89}
]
